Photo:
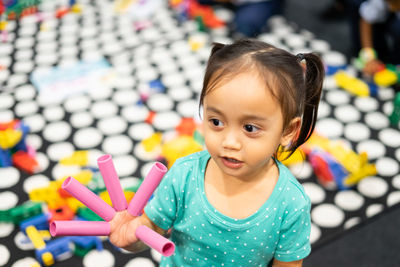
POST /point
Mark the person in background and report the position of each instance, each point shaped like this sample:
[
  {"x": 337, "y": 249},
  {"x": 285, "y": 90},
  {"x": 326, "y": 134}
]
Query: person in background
[
  {"x": 379, "y": 33},
  {"x": 250, "y": 16},
  {"x": 235, "y": 203}
]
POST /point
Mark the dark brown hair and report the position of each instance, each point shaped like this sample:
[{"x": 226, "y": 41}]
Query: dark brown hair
[{"x": 295, "y": 85}]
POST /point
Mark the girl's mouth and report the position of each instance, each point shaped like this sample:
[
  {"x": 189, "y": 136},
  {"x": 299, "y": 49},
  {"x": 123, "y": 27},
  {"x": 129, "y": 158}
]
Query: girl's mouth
[{"x": 231, "y": 162}]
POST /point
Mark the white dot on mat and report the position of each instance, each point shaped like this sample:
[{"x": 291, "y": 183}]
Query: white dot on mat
[
  {"x": 117, "y": 145},
  {"x": 4, "y": 255},
  {"x": 327, "y": 215},
  {"x": 25, "y": 54},
  {"x": 124, "y": 82},
  {"x": 81, "y": 119},
  {"x": 25, "y": 262},
  {"x": 104, "y": 92},
  {"x": 396, "y": 181},
  {"x": 112, "y": 125},
  {"x": 388, "y": 108},
  {"x": 140, "y": 131},
  {"x": 124, "y": 98},
  {"x": 35, "y": 122},
  {"x": 9, "y": 177},
  {"x": 25, "y": 108},
  {"x": 393, "y": 198},
  {"x": 103, "y": 109},
  {"x": 180, "y": 93},
  {"x": 23, "y": 66},
  {"x": 146, "y": 74},
  {"x": 60, "y": 171},
  {"x": 125, "y": 165},
  {"x": 160, "y": 102},
  {"x": 87, "y": 138},
  {"x": 8, "y": 200},
  {"x": 390, "y": 137},
  {"x": 43, "y": 161},
  {"x": 58, "y": 151},
  {"x": 337, "y": 97},
  {"x": 140, "y": 262},
  {"x": 301, "y": 170},
  {"x": 315, "y": 192},
  {"x": 6, "y": 116},
  {"x": 374, "y": 209},
  {"x": 352, "y": 222},
  {"x": 373, "y": 187},
  {"x": 166, "y": 120},
  {"x": 387, "y": 166},
  {"x": 323, "y": 109},
  {"x": 315, "y": 233},
  {"x": 54, "y": 113},
  {"x": 23, "y": 242},
  {"x": 34, "y": 140},
  {"x": 96, "y": 258},
  {"x": 77, "y": 103},
  {"x": 57, "y": 131},
  {"x": 6, "y": 229},
  {"x": 356, "y": 132},
  {"x": 155, "y": 255},
  {"x": 397, "y": 154},
  {"x": 35, "y": 181},
  {"x": 329, "y": 127},
  {"x": 347, "y": 113},
  {"x": 173, "y": 80},
  {"x": 373, "y": 148},
  {"x": 366, "y": 104},
  {"x": 377, "y": 120},
  {"x": 129, "y": 182},
  {"x": 349, "y": 200},
  {"x": 135, "y": 113},
  {"x": 188, "y": 108},
  {"x": 140, "y": 153},
  {"x": 6, "y": 101},
  {"x": 385, "y": 93}
]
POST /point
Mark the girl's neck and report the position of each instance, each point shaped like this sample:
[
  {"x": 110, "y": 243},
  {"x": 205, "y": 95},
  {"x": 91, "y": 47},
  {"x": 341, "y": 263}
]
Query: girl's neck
[{"x": 236, "y": 184}]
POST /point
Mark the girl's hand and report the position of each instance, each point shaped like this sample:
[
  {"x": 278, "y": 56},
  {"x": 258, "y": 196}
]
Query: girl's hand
[{"x": 123, "y": 228}]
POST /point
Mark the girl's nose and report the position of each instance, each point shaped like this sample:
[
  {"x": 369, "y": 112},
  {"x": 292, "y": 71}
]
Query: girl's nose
[{"x": 231, "y": 141}]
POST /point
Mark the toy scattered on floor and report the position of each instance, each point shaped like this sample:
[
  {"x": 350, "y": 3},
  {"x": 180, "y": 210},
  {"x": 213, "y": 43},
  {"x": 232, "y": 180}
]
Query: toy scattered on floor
[
  {"x": 335, "y": 165},
  {"x": 203, "y": 15},
  {"x": 351, "y": 84},
  {"x": 96, "y": 204},
  {"x": 13, "y": 147},
  {"x": 186, "y": 141}
]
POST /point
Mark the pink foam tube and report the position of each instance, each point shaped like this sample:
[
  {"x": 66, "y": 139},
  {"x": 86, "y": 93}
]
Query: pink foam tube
[
  {"x": 112, "y": 183},
  {"x": 146, "y": 189},
  {"x": 155, "y": 240},
  {"x": 61, "y": 228},
  {"x": 90, "y": 199}
]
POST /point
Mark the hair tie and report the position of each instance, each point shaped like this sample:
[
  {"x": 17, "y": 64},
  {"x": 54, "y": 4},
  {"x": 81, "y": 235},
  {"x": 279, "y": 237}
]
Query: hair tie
[{"x": 300, "y": 57}]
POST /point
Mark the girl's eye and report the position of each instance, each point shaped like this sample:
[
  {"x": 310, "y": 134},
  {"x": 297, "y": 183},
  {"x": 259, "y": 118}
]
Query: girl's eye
[
  {"x": 250, "y": 128},
  {"x": 216, "y": 122}
]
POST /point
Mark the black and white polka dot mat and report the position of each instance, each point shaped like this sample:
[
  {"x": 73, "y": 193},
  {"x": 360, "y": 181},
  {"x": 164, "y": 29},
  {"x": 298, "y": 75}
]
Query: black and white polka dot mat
[{"x": 112, "y": 118}]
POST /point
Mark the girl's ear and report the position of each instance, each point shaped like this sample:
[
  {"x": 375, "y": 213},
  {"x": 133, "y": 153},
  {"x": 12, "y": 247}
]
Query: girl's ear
[{"x": 291, "y": 132}]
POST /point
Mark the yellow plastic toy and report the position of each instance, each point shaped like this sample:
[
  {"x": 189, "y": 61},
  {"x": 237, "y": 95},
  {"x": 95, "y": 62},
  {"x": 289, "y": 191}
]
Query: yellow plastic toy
[
  {"x": 38, "y": 243},
  {"x": 80, "y": 158},
  {"x": 351, "y": 84},
  {"x": 385, "y": 78},
  {"x": 179, "y": 147},
  {"x": 9, "y": 138},
  {"x": 151, "y": 143}
]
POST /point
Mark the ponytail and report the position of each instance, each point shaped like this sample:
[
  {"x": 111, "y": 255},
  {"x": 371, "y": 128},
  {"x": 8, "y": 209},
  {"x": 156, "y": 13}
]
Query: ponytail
[{"x": 313, "y": 80}]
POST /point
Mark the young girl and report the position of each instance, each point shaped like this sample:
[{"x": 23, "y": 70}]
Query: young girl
[{"x": 235, "y": 204}]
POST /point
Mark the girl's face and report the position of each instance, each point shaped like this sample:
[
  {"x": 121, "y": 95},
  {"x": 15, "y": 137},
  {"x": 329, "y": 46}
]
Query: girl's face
[{"x": 243, "y": 126}]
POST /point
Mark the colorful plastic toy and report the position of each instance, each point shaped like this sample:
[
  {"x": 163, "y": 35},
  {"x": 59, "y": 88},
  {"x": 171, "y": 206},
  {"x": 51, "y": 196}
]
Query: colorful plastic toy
[
  {"x": 96, "y": 204},
  {"x": 395, "y": 116},
  {"x": 351, "y": 84}
]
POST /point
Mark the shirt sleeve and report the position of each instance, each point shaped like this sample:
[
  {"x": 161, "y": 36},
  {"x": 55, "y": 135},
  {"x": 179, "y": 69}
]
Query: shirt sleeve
[
  {"x": 163, "y": 207},
  {"x": 294, "y": 241},
  {"x": 374, "y": 11}
]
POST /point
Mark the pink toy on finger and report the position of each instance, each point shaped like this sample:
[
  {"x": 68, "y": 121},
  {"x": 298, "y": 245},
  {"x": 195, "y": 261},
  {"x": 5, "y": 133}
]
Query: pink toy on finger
[
  {"x": 84, "y": 228},
  {"x": 112, "y": 183},
  {"x": 90, "y": 199},
  {"x": 146, "y": 189},
  {"x": 155, "y": 240}
]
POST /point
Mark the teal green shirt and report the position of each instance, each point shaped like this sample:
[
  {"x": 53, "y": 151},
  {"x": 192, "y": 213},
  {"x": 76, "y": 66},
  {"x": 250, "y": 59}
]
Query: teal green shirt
[{"x": 205, "y": 237}]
